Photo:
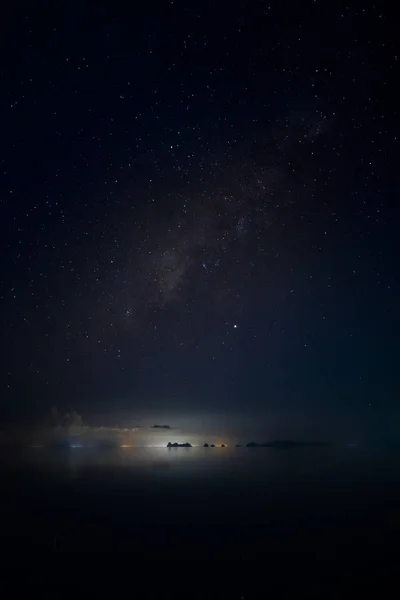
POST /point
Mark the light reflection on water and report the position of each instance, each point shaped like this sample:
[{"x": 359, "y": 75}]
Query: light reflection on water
[
  {"x": 137, "y": 458},
  {"x": 198, "y": 498},
  {"x": 261, "y": 464},
  {"x": 174, "y": 461}
]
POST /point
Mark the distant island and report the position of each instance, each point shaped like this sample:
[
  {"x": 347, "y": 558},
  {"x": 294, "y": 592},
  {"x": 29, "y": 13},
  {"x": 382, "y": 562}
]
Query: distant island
[
  {"x": 273, "y": 444},
  {"x": 287, "y": 444},
  {"x": 176, "y": 445}
]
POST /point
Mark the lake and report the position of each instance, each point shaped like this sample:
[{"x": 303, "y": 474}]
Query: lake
[{"x": 235, "y": 503}]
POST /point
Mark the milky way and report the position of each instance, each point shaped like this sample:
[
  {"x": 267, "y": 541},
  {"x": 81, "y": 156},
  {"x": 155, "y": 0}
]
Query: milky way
[
  {"x": 211, "y": 234},
  {"x": 198, "y": 212}
]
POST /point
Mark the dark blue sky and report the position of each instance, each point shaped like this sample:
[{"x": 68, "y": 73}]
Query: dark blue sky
[{"x": 198, "y": 212}]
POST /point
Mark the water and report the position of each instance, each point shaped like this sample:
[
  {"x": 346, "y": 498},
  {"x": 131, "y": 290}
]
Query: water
[{"x": 194, "y": 502}]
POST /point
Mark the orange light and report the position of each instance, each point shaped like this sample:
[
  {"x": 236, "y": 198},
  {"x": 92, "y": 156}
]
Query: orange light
[{"x": 126, "y": 446}]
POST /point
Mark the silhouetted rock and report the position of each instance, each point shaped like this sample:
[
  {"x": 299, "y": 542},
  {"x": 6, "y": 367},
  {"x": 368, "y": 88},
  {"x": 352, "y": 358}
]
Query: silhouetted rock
[
  {"x": 222, "y": 445},
  {"x": 212, "y": 446},
  {"x": 294, "y": 444},
  {"x": 205, "y": 445},
  {"x": 176, "y": 445},
  {"x": 287, "y": 444}
]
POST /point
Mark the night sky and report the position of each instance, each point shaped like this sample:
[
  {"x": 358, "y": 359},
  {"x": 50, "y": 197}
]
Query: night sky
[{"x": 199, "y": 213}]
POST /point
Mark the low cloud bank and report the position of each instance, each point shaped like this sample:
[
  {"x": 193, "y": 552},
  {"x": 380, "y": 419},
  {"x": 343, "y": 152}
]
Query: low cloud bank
[{"x": 64, "y": 425}]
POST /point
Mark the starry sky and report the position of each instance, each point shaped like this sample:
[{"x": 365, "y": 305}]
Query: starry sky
[{"x": 198, "y": 213}]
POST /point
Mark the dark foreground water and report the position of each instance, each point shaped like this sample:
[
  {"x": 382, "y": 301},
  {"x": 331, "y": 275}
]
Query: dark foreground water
[{"x": 209, "y": 503}]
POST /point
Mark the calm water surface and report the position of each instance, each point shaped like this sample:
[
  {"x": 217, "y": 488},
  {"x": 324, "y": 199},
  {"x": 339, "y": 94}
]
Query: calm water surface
[{"x": 215, "y": 502}]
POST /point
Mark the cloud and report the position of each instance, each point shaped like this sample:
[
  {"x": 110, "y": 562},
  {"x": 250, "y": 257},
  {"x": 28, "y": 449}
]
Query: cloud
[
  {"x": 70, "y": 421},
  {"x": 67, "y": 426}
]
